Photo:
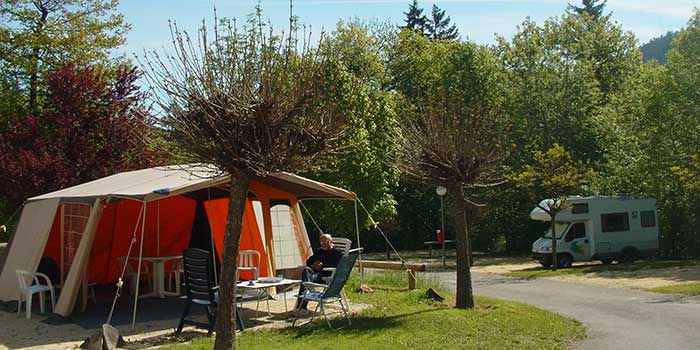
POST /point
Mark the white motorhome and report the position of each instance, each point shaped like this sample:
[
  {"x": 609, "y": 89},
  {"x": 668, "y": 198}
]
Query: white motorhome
[{"x": 604, "y": 228}]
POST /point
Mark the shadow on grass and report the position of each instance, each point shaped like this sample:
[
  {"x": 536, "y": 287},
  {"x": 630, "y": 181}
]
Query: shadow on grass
[{"x": 359, "y": 324}]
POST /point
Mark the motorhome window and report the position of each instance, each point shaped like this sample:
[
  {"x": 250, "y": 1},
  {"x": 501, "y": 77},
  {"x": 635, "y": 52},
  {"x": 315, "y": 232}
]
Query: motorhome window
[
  {"x": 578, "y": 230},
  {"x": 648, "y": 218},
  {"x": 615, "y": 222},
  {"x": 561, "y": 229},
  {"x": 580, "y": 208}
]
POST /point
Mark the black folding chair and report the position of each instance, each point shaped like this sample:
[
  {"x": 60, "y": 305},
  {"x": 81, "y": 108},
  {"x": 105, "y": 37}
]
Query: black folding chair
[{"x": 199, "y": 284}]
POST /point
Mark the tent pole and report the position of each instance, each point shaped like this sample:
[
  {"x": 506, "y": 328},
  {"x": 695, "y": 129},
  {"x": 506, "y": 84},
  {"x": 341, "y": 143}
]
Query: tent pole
[
  {"x": 158, "y": 228},
  {"x": 211, "y": 236},
  {"x": 138, "y": 274},
  {"x": 357, "y": 232}
]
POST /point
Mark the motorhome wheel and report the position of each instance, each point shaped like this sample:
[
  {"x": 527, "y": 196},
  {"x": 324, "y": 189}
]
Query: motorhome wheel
[{"x": 564, "y": 261}]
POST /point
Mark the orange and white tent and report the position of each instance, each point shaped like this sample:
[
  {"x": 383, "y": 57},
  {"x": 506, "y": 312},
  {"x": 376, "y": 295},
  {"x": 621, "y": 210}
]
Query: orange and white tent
[{"x": 85, "y": 229}]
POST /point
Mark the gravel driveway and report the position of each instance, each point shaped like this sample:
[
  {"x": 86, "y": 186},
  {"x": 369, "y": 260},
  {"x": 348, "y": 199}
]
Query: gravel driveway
[{"x": 614, "y": 318}]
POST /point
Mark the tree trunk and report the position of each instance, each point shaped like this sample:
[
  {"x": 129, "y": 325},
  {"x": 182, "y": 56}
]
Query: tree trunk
[
  {"x": 555, "y": 261},
  {"x": 465, "y": 298},
  {"x": 34, "y": 62},
  {"x": 226, "y": 310}
]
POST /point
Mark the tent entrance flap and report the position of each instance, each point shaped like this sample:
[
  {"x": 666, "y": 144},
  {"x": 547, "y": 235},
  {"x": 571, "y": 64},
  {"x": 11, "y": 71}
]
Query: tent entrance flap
[{"x": 27, "y": 244}]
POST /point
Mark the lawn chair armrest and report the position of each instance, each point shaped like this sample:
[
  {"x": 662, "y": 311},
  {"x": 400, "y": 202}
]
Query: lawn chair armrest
[{"x": 314, "y": 285}]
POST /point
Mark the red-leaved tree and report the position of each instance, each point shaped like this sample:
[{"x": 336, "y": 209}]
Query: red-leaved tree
[{"x": 95, "y": 124}]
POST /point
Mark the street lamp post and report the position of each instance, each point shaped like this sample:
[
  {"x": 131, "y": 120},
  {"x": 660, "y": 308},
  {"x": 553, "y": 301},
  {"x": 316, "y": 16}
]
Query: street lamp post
[{"x": 441, "y": 191}]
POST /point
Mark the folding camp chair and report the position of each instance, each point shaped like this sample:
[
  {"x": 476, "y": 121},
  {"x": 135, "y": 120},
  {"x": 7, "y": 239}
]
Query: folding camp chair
[
  {"x": 343, "y": 245},
  {"x": 199, "y": 284},
  {"x": 330, "y": 293}
]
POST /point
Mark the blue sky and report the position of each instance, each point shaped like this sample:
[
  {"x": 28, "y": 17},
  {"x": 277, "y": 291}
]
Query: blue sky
[{"x": 479, "y": 20}]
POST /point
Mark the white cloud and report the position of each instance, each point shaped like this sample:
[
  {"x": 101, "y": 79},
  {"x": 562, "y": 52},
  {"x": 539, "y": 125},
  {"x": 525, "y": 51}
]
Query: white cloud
[{"x": 672, "y": 8}]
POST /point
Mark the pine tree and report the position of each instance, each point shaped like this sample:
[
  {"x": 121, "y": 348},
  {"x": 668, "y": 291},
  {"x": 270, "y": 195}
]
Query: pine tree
[
  {"x": 439, "y": 26},
  {"x": 593, "y": 8},
  {"x": 415, "y": 19}
]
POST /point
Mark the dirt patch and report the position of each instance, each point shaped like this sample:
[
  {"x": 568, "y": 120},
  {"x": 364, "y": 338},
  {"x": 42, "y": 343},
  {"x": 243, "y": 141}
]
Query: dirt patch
[
  {"x": 19, "y": 333},
  {"x": 641, "y": 279},
  {"x": 644, "y": 279}
]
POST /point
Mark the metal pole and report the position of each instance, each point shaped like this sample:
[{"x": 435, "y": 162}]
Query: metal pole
[
  {"x": 158, "y": 229},
  {"x": 442, "y": 220},
  {"x": 211, "y": 234},
  {"x": 357, "y": 232},
  {"x": 138, "y": 274}
]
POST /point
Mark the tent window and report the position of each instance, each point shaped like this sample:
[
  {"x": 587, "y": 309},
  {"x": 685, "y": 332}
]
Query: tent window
[
  {"x": 74, "y": 217},
  {"x": 285, "y": 245}
]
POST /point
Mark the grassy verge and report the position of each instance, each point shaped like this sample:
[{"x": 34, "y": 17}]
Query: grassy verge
[
  {"x": 401, "y": 319},
  {"x": 598, "y": 268},
  {"x": 686, "y": 288}
]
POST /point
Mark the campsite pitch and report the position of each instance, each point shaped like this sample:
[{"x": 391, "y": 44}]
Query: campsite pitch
[{"x": 402, "y": 319}]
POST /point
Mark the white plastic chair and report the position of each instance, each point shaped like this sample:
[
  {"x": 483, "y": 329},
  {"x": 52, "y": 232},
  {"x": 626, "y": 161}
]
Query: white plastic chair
[
  {"x": 131, "y": 274},
  {"x": 174, "y": 274},
  {"x": 249, "y": 260},
  {"x": 28, "y": 289},
  {"x": 342, "y": 244}
]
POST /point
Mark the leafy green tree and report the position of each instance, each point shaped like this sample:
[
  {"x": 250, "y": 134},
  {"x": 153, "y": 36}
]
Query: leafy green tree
[
  {"x": 560, "y": 76},
  {"x": 656, "y": 141},
  {"x": 439, "y": 27},
  {"x": 554, "y": 175},
  {"x": 450, "y": 127},
  {"x": 593, "y": 8},
  {"x": 369, "y": 168},
  {"x": 415, "y": 19},
  {"x": 39, "y": 36}
]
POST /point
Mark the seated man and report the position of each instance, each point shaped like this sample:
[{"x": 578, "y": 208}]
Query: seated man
[{"x": 325, "y": 256}]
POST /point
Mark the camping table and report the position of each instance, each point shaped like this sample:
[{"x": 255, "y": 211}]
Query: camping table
[
  {"x": 260, "y": 287},
  {"x": 158, "y": 275}
]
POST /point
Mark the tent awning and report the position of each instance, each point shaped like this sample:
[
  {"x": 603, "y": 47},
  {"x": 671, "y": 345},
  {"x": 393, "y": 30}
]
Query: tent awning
[{"x": 154, "y": 183}]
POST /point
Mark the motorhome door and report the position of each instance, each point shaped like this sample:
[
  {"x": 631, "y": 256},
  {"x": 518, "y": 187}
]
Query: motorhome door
[{"x": 577, "y": 241}]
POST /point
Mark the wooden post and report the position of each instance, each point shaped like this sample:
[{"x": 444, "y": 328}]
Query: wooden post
[
  {"x": 410, "y": 268},
  {"x": 269, "y": 245}
]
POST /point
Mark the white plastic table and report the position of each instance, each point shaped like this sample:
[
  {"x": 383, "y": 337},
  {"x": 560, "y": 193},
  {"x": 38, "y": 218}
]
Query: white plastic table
[
  {"x": 158, "y": 275},
  {"x": 260, "y": 287}
]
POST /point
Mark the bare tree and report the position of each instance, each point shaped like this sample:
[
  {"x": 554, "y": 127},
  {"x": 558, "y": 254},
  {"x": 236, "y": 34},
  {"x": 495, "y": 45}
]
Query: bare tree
[
  {"x": 249, "y": 102},
  {"x": 450, "y": 130}
]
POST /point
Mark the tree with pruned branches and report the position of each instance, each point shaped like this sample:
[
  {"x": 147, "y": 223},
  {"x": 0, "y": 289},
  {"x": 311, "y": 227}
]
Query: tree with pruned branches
[
  {"x": 249, "y": 102},
  {"x": 451, "y": 121},
  {"x": 555, "y": 175}
]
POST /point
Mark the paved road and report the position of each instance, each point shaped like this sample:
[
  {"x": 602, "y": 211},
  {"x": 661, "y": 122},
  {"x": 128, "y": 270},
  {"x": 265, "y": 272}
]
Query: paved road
[{"x": 614, "y": 318}]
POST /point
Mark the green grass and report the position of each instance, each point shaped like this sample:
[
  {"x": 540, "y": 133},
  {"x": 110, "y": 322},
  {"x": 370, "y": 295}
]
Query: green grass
[
  {"x": 686, "y": 288},
  {"x": 401, "y": 319},
  {"x": 597, "y": 268}
]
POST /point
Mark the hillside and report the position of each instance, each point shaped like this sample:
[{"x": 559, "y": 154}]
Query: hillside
[{"x": 657, "y": 47}]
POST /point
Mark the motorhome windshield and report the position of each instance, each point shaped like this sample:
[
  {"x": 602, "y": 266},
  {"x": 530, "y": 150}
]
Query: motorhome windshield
[{"x": 561, "y": 229}]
